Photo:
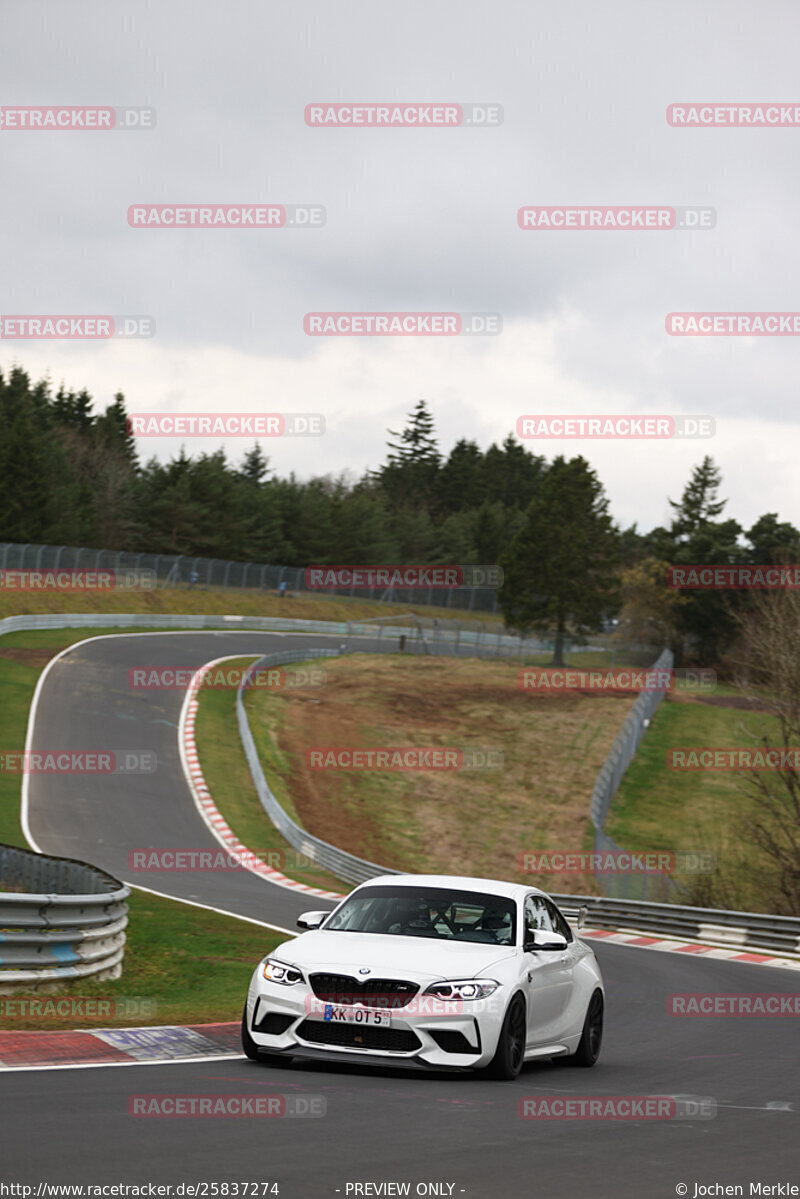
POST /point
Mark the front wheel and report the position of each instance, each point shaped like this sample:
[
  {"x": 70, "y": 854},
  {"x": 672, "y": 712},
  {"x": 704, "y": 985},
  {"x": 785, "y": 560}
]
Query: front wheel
[
  {"x": 251, "y": 1050},
  {"x": 507, "y": 1061},
  {"x": 248, "y": 1044},
  {"x": 588, "y": 1050}
]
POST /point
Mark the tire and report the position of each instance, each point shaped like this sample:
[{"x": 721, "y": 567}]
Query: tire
[
  {"x": 507, "y": 1061},
  {"x": 256, "y": 1054},
  {"x": 248, "y": 1044},
  {"x": 588, "y": 1050}
]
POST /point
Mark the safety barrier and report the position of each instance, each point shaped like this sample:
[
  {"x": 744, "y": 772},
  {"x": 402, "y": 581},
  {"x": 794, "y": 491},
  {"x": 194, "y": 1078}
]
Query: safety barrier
[
  {"x": 619, "y": 758},
  {"x": 344, "y": 865},
  {"x": 60, "y": 919},
  {"x": 421, "y": 636},
  {"x": 744, "y": 930}
]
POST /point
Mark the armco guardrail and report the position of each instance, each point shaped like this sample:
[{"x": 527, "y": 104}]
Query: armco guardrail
[
  {"x": 745, "y": 930},
  {"x": 422, "y": 638},
  {"x": 608, "y": 780},
  {"x": 62, "y": 920},
  {"x": 338, "y": 861}
]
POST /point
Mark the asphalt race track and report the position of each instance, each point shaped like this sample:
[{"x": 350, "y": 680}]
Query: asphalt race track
[
  {"x": 72, "y": 1125},
  {"x": 86, "y": 703}
]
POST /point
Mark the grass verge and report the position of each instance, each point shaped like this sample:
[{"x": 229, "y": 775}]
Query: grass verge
[
  {"x": 657, "y": 808},
  {"x": 223, "y": 601},
  {"x": 182, "y": 965},
  {"x": 228, "y": 778},
  {"x": 474, "y": 822}
]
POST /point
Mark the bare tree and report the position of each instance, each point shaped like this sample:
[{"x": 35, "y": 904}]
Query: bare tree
[{"x": 767, "y": 669}]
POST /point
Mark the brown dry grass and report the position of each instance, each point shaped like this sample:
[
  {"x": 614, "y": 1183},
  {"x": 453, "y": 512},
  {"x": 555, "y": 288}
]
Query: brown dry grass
[{"x": 456, "y": 822}]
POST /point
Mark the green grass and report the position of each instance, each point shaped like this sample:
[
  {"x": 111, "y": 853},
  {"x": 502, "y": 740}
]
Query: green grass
[
  {"x": 221, "y": 601},
  {"x": 657, "y": 808},
  {"x": 228, "y": 778},
  {"x": 182, "y": 965},
  {"x": 17, "y": 683},
  {"x": 655, "y": 805}
]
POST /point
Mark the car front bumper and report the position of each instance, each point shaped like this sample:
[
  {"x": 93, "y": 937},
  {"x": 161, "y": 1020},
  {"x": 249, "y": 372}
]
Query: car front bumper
[{"x": 289, "y": 1021}]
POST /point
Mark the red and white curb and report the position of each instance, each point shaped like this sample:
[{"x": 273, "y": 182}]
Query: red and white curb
[
  {"x": 119, "y": 1046},
  {"x": 692, "y": 948},
  {"x": 205, "y": 804}
]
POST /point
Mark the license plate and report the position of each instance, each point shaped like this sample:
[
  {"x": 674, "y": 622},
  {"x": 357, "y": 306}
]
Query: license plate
[{"x": 341, "y": 1014}]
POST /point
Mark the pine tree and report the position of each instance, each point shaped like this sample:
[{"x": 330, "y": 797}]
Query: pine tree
[
  {"x": 255, "y": 466},
  {"x": 698, "y": 505},
  {"x": 560, "y": 570},
  {"x": 113, "y": 431}
]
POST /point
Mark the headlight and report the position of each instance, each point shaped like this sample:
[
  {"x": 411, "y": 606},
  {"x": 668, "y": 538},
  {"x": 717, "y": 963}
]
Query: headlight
[
  {"x": 279, "y": 972},
  {"x": 464, "y": 988}
]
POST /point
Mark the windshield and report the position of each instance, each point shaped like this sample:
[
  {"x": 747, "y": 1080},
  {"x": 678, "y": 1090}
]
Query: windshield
[{"x": 434, "y": 912}]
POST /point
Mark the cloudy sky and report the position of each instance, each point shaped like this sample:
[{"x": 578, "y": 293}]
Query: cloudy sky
[{"x": 417, "y": 219}]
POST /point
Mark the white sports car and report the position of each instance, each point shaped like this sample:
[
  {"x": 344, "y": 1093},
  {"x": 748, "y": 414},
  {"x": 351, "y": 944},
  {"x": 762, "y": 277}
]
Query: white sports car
[{"x": 429, "y": 971}]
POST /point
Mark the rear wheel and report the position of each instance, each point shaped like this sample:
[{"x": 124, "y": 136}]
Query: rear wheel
[
  {"x": 588, "y": 1050},
  {"x": 507, "y": 1061}
]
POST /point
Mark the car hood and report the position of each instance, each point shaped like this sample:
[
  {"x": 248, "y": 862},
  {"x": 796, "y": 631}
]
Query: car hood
[{"x": 419, "y": 958}]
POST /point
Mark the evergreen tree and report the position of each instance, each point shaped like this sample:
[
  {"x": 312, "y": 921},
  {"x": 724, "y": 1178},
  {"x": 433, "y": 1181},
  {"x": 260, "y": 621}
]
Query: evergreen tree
[
  {"x": 255, "y": 466},
  {"x": 113, "y": 433},
  {"x": 560, "y": 570},
  {"x": 773, "y": 542},
  {"x": 410, "y": 474},
  {"x": 699, "y": 505}
]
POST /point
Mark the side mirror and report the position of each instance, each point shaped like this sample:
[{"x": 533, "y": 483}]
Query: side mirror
[
  {"x": 311, "y": 920},
  {"x": 541, "y": 940}
]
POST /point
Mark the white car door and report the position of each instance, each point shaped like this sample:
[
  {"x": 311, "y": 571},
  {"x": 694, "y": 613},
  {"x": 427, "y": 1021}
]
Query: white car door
[{"x": 548, "y": 977}]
